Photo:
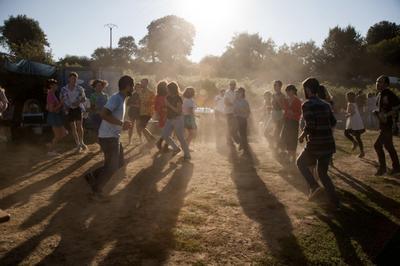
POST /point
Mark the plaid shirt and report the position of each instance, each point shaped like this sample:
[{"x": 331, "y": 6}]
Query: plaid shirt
[{"x": 319, "y": 123}]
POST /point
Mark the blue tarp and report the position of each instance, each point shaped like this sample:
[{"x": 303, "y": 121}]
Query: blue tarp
[{"x": 30, "y": 68}]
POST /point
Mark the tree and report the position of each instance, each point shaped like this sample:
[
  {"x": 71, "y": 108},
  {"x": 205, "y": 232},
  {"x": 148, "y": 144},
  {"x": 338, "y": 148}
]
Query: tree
[
  {"x": 246, "y": 53},
  {"x": 102, "y": 57},
  {"x": 383, "y": 30},
  {"x": 208, "y": 65},
  {"x": 342, "y": 51},
  {"x": 169, "y": 39},
  {"x": 73, "y": 60},
  {"x": 388, "y": 51},
  {"x": 24, "y": 38},
  {"x": 128, "y": 46}
]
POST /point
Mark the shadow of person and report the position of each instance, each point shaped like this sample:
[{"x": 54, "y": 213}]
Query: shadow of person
[
  {"x": 294, "y": 178},
  {"x": 375, "y": 196},
  {"x": 83, "y": 229},
  {"x": 260, "y": 205},
  {"x": 370, "y": 162},
  {"x": 360, "y": 223},
  {"x": 68, "y": 217},
  {"x": 23, "y": 195},
  {"x": 147, "y": 234}
]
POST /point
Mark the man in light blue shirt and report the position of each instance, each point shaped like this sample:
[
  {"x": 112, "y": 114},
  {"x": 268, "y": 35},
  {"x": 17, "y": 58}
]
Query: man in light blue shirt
[{"x": 109, "y": 133}]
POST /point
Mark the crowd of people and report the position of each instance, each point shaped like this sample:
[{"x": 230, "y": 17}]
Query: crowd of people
[
  {"x": 287, "y": 121},
  {"x": 284, "y": 115}
]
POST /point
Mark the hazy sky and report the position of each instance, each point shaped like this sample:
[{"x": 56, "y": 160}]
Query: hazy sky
[{"x": 77, "y": 27}]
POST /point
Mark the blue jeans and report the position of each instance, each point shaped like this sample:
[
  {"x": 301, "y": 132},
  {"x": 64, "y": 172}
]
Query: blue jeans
[
  {"x": 113, "y": 160},
  {"x": 305, "y": 160},
  {"x": 175, "y": 124}
]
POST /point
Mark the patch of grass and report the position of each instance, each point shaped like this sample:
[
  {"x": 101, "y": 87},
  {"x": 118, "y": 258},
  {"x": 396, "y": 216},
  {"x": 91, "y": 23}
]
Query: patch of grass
[
  {"x": 187, "y": 240},
  {"x": 228, "y": 202},
  {"x": 192, "y": 218},
  {"x": 203, "y": 206},
  {"x": 199, "y": 263}
]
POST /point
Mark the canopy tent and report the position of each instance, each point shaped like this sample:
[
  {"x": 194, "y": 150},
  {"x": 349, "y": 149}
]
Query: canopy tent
[{"x": 30, "y": 68}]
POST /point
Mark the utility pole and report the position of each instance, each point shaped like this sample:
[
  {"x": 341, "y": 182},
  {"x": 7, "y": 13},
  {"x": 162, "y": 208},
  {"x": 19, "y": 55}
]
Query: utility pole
[{"x": 110, "y": 26}]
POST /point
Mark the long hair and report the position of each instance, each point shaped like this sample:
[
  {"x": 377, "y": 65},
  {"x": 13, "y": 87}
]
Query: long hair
[
  {"x": 162, "y": 88},
  {"x": 173, "y": 88},
  {"x": 188, "y": 93}
]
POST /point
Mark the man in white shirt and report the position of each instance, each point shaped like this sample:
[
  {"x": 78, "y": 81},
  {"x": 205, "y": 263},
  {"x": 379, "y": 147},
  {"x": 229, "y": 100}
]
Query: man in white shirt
[
  {"x": 109, "y": 134},
  {"x": 229, "y": 99},
  {"x": 72, "y": 96}
]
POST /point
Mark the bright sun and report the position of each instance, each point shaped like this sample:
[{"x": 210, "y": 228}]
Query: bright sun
[{"x": 212, "y": 15}]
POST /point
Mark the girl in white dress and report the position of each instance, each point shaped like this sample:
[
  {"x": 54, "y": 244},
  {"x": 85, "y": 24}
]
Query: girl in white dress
[{"x": 354, "y": 124}]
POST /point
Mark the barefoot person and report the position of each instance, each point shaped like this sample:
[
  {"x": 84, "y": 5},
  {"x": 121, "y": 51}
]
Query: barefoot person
[
  {"x": 290, "y": 130},
  {"x": 54, "y": 116},
  {"x": 174, "y": 122},
  {"x": 354, "y": 124},
  {"x": 229, "y": 100},
  {"x": 388, "y": 102},
  {"x": 188, "y": 108},
  {"x": 241, "y": 110},
  {"x": 73, "y": 95},
  {"x": 109, "y": 135},
  {"x": 319, "y": 122}
]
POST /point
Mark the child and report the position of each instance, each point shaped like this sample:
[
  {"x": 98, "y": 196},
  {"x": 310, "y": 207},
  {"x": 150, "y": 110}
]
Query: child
[
  {"x": 354, "y": 123},
  {"x": 241, "y": 110},
  {"x": 54, "y": 116},
  {"x": 188, "y": 108},
  {"x": 160, "y": 109}
]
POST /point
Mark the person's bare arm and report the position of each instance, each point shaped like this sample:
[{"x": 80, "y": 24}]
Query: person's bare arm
[
  {"x": 107, "y": 116},
  {"x": 175, "y": 109}
]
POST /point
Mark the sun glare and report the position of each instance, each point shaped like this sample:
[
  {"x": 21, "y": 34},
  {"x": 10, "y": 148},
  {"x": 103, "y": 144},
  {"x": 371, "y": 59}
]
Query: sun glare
[{"x": 213, "y": 15}]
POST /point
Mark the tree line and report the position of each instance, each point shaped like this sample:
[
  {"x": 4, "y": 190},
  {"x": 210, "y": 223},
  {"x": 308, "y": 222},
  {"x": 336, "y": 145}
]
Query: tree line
[{"x": 345, "y": 56}]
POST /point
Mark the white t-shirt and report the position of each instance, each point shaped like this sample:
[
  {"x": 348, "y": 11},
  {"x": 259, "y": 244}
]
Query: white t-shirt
[
  {"x": 229, "y": 97},
  {"x": 187, "y": 105},
  {"x": 116, "y": 104},
  {"x": 219, "y": 103}
]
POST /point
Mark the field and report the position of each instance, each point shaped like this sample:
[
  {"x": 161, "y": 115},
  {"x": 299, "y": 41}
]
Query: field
[{"x": 222, "y": 208}]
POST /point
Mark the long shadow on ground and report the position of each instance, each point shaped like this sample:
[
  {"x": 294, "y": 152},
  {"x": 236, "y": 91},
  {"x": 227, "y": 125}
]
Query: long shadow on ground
[
  {"x": 260, "y": 205},
  {"x": 360, "y": 223},
  {"x": 136, "y": 225}
]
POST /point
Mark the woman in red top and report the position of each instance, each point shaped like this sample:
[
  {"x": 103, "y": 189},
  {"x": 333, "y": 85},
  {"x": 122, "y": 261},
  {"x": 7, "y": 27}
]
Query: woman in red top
[
  {"x": 160, "y": 108},
  {"x": 292, "y": 114}
]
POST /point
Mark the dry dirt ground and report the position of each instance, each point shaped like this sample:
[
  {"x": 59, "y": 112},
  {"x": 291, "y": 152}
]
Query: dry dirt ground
[{"x": 222, "y": 208}]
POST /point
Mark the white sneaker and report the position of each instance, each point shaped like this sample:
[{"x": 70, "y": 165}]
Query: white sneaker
[
  {"x": 78, "y": 149},
  {"x": 84, "y": 146}
]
